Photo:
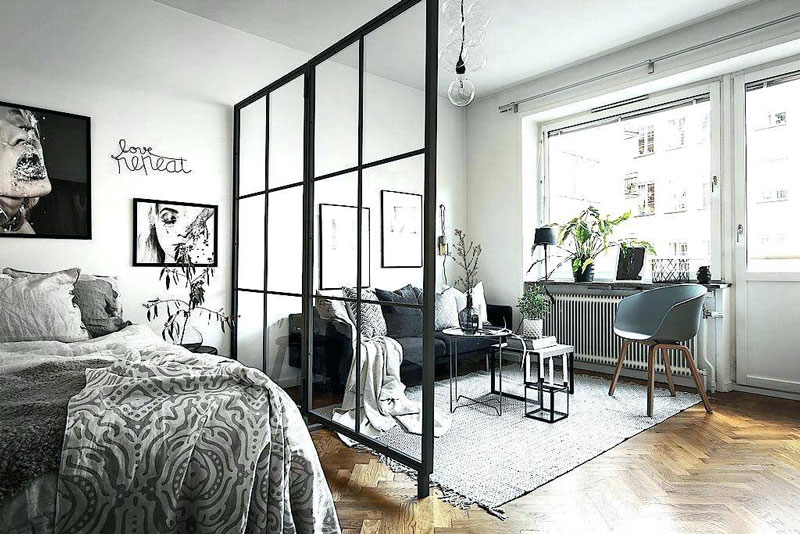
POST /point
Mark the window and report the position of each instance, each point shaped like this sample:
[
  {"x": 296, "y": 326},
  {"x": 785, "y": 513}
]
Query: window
[
  {"x": 600, "y": 164},
  {"x": 771, "y": 163},
  {"x": 632, "y": 185},
  {"x": 647, "y": 199},
  {"x": 647, "y": 140},
  {"x": 705, "y": 195},
  {"x": 676, "y": 133},
  {"x": 679, "y": 249}
]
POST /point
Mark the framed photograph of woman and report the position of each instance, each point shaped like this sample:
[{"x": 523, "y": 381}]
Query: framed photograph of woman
[
  {"x": 166, "y": 232},
  {"x": 45, "y": 175},
  {"x": 401, "y": 229}
]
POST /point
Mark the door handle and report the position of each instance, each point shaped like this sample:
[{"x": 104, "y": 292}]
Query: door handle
[{"x": 739, "y": 232}]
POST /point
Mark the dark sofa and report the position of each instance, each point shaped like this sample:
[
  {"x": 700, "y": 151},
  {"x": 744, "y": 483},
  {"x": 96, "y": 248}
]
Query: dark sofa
[{"x": 333, "y": 347}]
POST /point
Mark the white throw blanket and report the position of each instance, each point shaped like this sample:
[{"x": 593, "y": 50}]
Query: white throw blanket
[{"x": 383, "y": 399}]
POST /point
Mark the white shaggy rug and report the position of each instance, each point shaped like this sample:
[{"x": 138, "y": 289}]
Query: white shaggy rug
[{"x": 489, "y": 460}]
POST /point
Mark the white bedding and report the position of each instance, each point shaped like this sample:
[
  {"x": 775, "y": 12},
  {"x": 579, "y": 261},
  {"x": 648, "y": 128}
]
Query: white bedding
[{"x": 178, "y": 442}]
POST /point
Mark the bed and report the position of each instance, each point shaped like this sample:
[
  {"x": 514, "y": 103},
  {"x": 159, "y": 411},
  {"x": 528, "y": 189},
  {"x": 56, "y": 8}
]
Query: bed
[{"x": 127, "y": 433}]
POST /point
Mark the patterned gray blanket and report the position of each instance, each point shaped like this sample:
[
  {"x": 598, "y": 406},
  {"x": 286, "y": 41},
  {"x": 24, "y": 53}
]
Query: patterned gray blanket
[{"x": 163, "y": 440}]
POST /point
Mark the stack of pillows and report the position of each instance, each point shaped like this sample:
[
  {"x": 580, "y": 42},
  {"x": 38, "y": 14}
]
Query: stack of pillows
[
  {"x": 397, "y": 321},
  {"x": 64, "y": 306}
]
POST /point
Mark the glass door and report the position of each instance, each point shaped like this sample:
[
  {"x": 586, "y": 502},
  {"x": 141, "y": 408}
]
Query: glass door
[
  {"x": 268, "y": 227},
  {"x": 767, "y": 108}
]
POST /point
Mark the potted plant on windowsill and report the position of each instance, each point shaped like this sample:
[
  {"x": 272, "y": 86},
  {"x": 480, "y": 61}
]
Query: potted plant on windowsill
[
  {"x": 587, "y": 236},
  {"x": 533, "y": 306}
]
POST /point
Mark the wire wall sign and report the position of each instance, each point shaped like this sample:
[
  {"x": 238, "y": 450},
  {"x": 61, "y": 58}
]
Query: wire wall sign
[{"x": 142, "y": 158}]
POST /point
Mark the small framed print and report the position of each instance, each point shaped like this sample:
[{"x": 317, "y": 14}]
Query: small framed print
[{"x": 166, "y": 229}]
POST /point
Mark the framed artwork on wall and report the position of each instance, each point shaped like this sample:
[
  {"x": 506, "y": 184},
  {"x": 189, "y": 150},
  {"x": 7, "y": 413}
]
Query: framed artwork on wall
[
  {"x": 45, "y": 173},
  {"x": 401, "y": 229},
  {"x": 338, "y": 246},
  {"x": 163, "y": 228}
]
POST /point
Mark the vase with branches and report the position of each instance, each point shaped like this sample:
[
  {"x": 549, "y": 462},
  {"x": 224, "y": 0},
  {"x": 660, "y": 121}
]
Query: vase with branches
[
  {"x": 179, "y": 311},
  {"x": 466, "y": 256}
]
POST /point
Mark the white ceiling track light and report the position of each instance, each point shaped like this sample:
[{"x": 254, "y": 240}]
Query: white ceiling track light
[{"x": 466, "y": 22}]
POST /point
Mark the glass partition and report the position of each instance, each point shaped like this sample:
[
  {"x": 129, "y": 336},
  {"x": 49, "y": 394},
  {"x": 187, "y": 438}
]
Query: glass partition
[
  {"x": 368, "y": 190},
  {"x": 332, "y": 166}
]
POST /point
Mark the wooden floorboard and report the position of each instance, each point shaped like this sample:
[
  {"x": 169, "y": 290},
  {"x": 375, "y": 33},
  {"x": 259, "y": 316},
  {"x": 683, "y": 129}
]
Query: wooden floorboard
[{"x": 735, "y": 470}]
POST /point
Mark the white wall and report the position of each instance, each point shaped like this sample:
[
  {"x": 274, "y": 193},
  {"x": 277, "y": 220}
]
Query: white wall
[
  {"x": 499, "y": 175},
  {"x": 158, "y": 76},
  {"x": 152, "y": 75}
]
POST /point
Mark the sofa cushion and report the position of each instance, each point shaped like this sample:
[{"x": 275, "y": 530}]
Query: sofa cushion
[
  {"x": 401, "y": 321},
  {"x": 412, "y": 349},
  {"x": 372, "y": 322}
]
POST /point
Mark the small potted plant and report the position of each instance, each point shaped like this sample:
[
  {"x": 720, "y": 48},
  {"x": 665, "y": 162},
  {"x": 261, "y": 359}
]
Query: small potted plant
[
  {"x": 533, "y": 306},
  {"x": 587, "y": 236}
]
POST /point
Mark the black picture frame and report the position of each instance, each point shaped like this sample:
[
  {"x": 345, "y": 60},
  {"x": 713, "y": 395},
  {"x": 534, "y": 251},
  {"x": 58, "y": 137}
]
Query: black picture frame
[
  {"x": 387, "y": 264},
  {"x": 365, "y": 223},
  {"x": 137, "y": 237},
  {"x": 66, "y": 211}
]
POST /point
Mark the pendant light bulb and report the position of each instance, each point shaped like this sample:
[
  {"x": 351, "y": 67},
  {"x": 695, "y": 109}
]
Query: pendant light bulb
[{"x": 461, "y": 91}]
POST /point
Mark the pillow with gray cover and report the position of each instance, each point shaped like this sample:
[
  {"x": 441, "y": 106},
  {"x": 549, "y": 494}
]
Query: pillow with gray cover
[
  {"x": 372, "y": 322},
  {"x": 40, "y": 308},
  {"x": 98, "y": 299}
]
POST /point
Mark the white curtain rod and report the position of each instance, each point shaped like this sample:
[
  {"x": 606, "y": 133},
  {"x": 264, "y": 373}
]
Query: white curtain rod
[{"x": 650, "y": 63}]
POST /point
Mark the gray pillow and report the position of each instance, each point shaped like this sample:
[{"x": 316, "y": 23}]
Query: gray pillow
[
  {"x": 40, "y": 308},
  {"x": 372, "y": 322},
  {"x": 401, "y": 321},
  {"x": 98, "y": 299}
]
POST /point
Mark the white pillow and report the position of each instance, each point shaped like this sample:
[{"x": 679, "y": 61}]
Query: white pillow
[
  {"x": 40, "y": 309},
  {"x": 478, "y": 300},
  {"x": 446, "y": 310}
]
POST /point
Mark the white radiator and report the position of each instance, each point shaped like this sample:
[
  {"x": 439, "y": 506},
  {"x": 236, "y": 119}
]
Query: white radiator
[{"x": 587, "y": 323}]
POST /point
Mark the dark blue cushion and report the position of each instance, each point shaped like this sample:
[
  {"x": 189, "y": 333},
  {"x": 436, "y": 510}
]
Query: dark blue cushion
[{"x": 401, "y": 321}]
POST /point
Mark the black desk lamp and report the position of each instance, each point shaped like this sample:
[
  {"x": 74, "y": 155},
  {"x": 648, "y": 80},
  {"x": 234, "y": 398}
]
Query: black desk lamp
[{"x": 545, "y": 236}]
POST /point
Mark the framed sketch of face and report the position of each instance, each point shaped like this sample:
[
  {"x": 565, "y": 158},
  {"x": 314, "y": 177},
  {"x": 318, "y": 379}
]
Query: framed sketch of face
[
  {"x": 166, "y": 229},
  {"x": 45, "y": 173}
]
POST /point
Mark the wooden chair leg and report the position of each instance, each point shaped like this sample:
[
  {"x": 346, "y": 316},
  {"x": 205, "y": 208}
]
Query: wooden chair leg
[
  {"x": 618, "y": 369},
  {"x": 651, "y": 378},
  {"x": 697, "y": 380},
  {"x": 668, "y": 370}
]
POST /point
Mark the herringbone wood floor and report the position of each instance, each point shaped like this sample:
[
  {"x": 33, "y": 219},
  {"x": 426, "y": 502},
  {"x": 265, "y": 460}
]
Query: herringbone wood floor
[{"x": 736, "y": 470}]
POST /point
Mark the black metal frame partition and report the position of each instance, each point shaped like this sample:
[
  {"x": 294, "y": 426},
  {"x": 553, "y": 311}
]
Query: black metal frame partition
[{"x": 423, "y": 465}]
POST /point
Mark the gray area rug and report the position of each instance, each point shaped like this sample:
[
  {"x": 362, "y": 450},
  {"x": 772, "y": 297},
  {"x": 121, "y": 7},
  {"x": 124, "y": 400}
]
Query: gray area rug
[{"x": 489, "y": 460}]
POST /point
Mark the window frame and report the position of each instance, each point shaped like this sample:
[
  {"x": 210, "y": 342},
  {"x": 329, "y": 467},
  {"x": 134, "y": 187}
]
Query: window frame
[{"x": 712, "y": 89}]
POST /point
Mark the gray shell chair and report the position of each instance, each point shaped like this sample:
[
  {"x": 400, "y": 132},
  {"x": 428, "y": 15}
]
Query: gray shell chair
[{"x": 661, "y": 318}]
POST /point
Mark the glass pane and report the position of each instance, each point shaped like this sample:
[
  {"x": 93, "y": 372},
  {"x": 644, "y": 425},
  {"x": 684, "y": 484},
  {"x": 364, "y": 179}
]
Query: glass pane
[
  {"x": 251, "y": 242},
  {"x": 285, "y": 240},
  {"x": 332, "y": 353},
  {"x": 394, "y": 86},
  {"x": 252, "y": 146},
  {"x": 286, "y": 113},
  {"x": 284, "y": 320},
  {"x": 394, "y": 192},
  {"x": 336, "y": 115},
  {"x": 250, "y": 329},
  {"x": 773, "y": 243},
  {"x": 657, "y": 166},
  {"x": 335, "y": 219}
]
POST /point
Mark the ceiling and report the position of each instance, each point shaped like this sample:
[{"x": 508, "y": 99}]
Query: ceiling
[{"x": 526, "y": 38}]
